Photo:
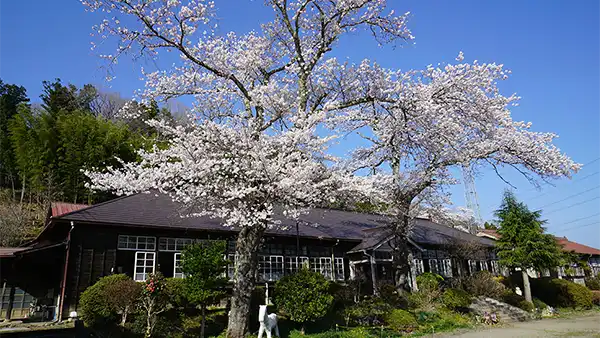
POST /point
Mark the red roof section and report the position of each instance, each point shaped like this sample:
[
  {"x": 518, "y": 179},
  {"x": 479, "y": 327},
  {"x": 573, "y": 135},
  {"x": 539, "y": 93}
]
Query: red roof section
[
  {"x": 578, "y": 248},
  {"x": 566, "y": 244},
  {"x": 61, "y": 208}
]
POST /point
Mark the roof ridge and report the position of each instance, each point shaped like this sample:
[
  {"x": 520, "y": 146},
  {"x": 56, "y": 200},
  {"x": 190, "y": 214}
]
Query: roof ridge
[{"x": 97, "y": 205}]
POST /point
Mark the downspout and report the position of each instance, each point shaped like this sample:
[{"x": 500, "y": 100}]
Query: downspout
[
  {"x": 64, "y": 279},
  {"x": 373, "y": 273}
]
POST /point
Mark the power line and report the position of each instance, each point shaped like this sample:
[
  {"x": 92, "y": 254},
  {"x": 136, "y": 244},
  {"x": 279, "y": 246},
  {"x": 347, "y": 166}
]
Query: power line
[
  {"x": 580, "y": 226},
  {"x": 573, "y": 205},
  {"x": 569, "y": 197},
  {"x": 577, "y": 180},
  {"x": 581, "y": 218}
]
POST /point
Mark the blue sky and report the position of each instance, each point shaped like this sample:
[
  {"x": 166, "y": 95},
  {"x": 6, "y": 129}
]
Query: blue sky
[{"x": 552, "y": 47}]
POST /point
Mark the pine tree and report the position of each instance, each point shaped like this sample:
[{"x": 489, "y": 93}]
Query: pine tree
[{"x": 523, "y": 244}]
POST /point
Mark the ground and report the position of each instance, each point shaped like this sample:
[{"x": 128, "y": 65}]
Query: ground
[{"x": 586, "y": 326}]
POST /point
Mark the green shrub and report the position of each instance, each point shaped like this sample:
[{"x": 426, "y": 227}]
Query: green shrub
[
  {"x": 443, "y": 320},
  {"x": 429, "y": 294},
  {"x": 429, "y": 281},
  {"x": 538, "y": 304},
  {"x": 562, "y": 293},
  {"x": 368, "y": 312},
  {"x": 593, "y": 283},
  {"x": 94, "y": 306},
  {"x": 304, "y": 296},
  {"x": 389, "y": 293},
  {"x": 509, "y": 297},
  {"x": 456, "y": 299},
  {"x": 401, "y": 320},
  {"x": 175, "y": 289},
  {"x": 596, "y": 297},
  {"x": 483, "y": 283}
]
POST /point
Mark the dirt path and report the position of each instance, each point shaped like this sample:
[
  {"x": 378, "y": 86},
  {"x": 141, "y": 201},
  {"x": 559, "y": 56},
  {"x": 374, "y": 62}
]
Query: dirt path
[{"x": 588, "y": 326}]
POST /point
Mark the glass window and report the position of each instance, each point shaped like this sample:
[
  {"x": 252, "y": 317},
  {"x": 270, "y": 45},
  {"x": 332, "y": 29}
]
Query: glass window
[
  {"x": 339, "y": 268},
  {"x": 446, "y": 268},
  {"x": 484, "y": 265},
  {"x": 173, "y": 244},
  {"x": 494, "y": 267},
  {"x": 293, "y": 264},
  {"x": 177, "y": 265},
  {"x": 231, "y": 266},
  {"x": 472, "y": 266},
  {"x": 322, "y": 265},
  {"x": 433, "y": 266},
  {"x": 419, "y": 269},
  {"x": 144, "y": 265},
  {"x": 136, "y": 243},
  {"x": 270, "y": 267}
]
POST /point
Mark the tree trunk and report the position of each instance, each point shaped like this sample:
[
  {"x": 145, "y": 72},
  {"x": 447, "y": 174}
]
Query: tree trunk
[
  {"x": 203, "y": 321},
  {"x": 400, "y": 250},
  {"x": 526, "y": 285},
  {"x": 124, "y": 316},
  {"x": 247, "y": 246}
]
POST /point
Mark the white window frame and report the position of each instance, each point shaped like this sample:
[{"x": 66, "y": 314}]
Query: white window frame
[
  {"x": 293, "y": 264},
  {"x": 177, "y": 265},
  {"x": 419, "y": 267},
  {"x": 484, "y": 265},
  {"x": 143, "y": 256},
  {"x": 433, "y": 266},
  {"x": 231, "y": 266},
  {"x": 472, "y": 266},
  {"x": 338, "y": 264},
  {"x": 322, "y": 265},
  {"x": 270, "y": 267},
  {"x": 447, "y": 267},
  {"x": 494, "y": 267},
  {"x": 136, "y": 243},
  {"x": 174, "y": 244}
]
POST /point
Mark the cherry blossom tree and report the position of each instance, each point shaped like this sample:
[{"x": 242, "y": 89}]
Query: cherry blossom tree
[
  {"x": 259, "y": 98},
  {"x": 423, "y": 123}
]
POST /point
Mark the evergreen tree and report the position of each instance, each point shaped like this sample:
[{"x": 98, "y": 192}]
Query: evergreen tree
[
  {"x": 490, "y": 226},
  {"x": 523, "y": 244},
  {"x": 11, "y": 96}
]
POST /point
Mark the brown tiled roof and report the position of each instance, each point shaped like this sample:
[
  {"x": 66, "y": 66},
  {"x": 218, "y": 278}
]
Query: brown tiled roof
[
  {"x": 576, "y": 247},
  {"x": 60, "y": 208},
  {"x": 488, "y": 233}
]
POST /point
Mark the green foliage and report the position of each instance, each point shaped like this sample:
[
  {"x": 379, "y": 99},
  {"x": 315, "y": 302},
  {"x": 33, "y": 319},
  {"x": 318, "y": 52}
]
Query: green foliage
[
  {"x": 456, "y": 299},
  {"x": 204, "y": 266},
  {"x": 509, "y": 297},
  {"x": 523, "y": 243},
  {"x": 596, "y": 297},
  {"x": 11, "y": 96},
  {"x": 538, "y": 304},
  {"x": 370, "y": 311},
  {"x": 442, "y": 320},
  {"x": 490, "y": 226},
  {"x": 154, "y": 300},
  {"x": 562, "y": 293},
  {"x": 94, "y": 306},
  {"x": 483, "y": 283},
  {"x": 429, "y": 294},
  {"x": 401, "y": 320},
  {"x": 304, "y": 296},
  {"x": 176, "y": 291},
  {"x": 52, "y": 150},
  {"x": 593, "y": 283}
]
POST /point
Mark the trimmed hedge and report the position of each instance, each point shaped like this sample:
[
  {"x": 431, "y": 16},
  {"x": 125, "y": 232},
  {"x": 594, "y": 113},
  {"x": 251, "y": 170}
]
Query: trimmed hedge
[
  {"x": 456, "y": 299},
  {"x": 562, "y": 293},
  {"x": 596, "y": 297},
  {"x": 94, "y": 307},
  {"x": 509, "y": 297},
  {"x": 401, "y": 320}
]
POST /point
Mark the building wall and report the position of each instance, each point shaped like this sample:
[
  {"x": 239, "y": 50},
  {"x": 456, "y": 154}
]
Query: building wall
[{"x": 97, "y": 251}]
